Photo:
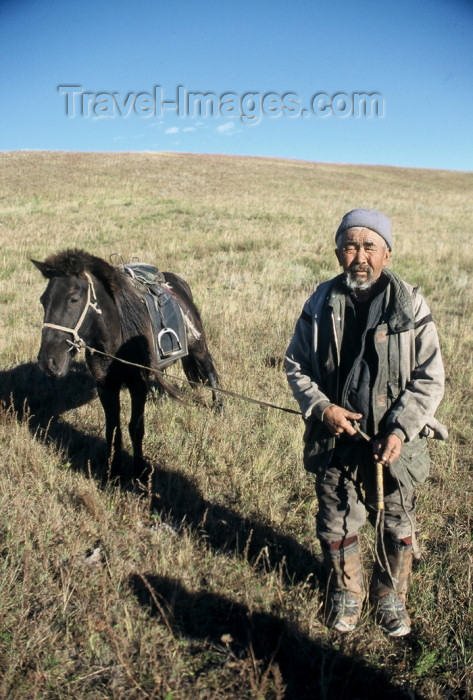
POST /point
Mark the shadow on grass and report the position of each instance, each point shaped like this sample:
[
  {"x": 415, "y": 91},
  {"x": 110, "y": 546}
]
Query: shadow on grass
[
  {"x": 27, "y": 391},
  {"x": 178, "y": 499},
  {"x": 309, "y": 669},
  {"x": 41, "y": 400}
]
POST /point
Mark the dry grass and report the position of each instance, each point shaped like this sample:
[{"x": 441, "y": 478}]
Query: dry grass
[{"x": 204, "y": 583}]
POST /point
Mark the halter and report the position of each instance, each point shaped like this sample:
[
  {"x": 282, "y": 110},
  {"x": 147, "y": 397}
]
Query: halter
[{"x": 91, "y": 302}]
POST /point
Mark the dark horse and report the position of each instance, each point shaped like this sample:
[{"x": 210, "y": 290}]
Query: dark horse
[{"x": 88, "y": 302}]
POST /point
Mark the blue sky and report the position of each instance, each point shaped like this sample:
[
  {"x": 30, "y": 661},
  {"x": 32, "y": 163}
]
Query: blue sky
[{"x": 260, "y": 62}]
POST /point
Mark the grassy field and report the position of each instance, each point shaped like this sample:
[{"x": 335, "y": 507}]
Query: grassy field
[{"x": 205, "y": 583}]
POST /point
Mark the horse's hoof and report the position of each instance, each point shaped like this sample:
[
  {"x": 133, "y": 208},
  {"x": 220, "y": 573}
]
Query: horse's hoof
[
  {"x": 218, "y": 407},
  {"x": 142, "y": 471},
  {"x": 157, "y": 395}
]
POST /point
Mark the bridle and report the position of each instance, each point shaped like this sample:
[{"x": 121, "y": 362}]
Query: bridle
[{"x": 91, "y": 303}]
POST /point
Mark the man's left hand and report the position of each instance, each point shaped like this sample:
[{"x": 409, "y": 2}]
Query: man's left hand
[{"x": 387, "y": 450}]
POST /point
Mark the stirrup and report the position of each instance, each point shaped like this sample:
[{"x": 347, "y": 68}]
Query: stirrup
[{"x": 172, "y": 333}]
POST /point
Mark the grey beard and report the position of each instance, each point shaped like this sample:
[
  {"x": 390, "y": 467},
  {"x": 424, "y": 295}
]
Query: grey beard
[{"x": 353, "y": 283}]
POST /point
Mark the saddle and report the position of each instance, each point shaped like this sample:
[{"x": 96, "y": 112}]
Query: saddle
[{"x": 167, "y": 321}]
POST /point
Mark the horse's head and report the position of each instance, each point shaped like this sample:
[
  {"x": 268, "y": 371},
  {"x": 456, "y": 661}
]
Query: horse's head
[{"x": 67, "y": 302}]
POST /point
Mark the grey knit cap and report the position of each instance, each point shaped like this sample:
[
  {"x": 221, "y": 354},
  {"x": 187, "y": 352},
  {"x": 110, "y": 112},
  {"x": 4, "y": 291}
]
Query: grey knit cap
[{"x": 368, "y": 218}]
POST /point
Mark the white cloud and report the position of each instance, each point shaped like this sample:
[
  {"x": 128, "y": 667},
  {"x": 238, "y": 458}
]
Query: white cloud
[
  {"x": 172, "y": 130},
  {"x": 189, "y": 128},
  {"x": 223, "y": 128}
]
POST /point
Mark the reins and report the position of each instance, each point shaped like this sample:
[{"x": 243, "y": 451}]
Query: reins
[
  {"x": 227, "y": 392},
  {"x": 91, "y": 303},
  {"x": 380, "y": 511},
  {"x": 78, "y": 343}
]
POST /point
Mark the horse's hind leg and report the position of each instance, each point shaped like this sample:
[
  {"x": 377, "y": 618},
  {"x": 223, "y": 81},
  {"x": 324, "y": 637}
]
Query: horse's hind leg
[
  {"x": 136, "y": 427},
  {"x": 199, "y": 367}
]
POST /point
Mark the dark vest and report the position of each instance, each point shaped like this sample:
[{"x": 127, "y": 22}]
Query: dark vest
[{"x": 359, "y": 367}]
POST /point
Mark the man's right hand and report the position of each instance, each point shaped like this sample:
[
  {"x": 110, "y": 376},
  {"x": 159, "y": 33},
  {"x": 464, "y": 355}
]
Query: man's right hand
[{"x": 337, "y": 420}]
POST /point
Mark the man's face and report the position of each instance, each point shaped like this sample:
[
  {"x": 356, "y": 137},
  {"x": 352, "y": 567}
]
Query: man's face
[{"x": 362, "y": 253}]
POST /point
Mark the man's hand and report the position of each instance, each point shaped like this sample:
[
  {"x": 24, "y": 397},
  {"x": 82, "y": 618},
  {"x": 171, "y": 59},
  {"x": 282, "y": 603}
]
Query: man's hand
[
  {"x": 337, "y": 420},
  {"x": 387, "y": 450}
]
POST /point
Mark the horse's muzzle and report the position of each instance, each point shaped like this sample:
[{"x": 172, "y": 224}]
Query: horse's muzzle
[{"x": 53, "y": 367}]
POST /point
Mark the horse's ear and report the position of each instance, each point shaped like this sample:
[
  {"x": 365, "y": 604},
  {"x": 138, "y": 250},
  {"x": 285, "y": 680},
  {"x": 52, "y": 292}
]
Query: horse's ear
[
  {"x": 73, "y": 262},
  {"x": 46, "y": 270}
]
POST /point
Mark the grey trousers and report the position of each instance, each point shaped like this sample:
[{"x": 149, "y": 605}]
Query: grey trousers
[{"x": 347, "y": 496}]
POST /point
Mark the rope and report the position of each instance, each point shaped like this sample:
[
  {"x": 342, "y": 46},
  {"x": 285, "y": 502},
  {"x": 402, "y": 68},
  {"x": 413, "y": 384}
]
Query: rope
[
  {"x": 415, "y": 545},
  {"x": 227, "y": 392},
  {"x": 78, "y": 343},
  {"x": 91, "y": 303},
  {"x": 379, "y": 524}
]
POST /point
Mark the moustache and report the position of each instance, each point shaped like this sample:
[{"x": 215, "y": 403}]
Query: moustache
[{"x": 359, "y": 268}]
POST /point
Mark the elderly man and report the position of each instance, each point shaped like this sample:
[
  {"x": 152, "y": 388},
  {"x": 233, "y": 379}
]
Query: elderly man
[{"x": 364, "y": 364}]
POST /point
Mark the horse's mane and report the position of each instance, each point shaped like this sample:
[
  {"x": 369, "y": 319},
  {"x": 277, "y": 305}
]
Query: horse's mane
[
  {"x": 74, "y": 262},
  {"x": 133, "y": 315}
]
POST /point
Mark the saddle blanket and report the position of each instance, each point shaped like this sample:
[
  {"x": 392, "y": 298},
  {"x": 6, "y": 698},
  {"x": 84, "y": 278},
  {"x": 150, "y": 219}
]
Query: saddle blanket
[{"x": 167, "y": 321}]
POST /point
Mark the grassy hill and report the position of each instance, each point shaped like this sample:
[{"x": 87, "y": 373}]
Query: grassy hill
[{"x": 204, "y": 583}]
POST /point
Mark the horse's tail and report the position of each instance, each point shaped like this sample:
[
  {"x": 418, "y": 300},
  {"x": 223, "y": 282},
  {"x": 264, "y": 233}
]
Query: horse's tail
[{"x": 160, "y": 384}]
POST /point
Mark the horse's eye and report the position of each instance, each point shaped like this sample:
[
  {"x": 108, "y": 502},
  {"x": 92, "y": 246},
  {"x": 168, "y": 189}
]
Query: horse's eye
[{"x": 73, "y": 300}]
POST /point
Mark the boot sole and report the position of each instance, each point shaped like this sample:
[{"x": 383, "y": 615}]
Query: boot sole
[{"x": 398, "y": 632}]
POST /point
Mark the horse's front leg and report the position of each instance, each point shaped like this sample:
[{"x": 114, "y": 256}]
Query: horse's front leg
[
  {"x": 138, "y": 393},
  {"x": 110, "y": 400}
]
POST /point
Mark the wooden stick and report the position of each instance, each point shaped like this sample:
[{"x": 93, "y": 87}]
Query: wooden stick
[{"x": 379, "y": 486}]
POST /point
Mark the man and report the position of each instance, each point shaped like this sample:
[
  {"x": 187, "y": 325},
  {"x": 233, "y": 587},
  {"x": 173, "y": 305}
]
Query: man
[{"x": 365, "y": 366}]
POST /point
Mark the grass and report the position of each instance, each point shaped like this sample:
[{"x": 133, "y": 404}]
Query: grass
[{"x": 204, "y": 583}]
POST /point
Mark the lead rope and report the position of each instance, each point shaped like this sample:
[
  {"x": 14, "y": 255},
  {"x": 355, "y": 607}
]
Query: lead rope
[
  {"x": 78, "y": 344},
  {"x": 415, "y": 545},
  {"x": 227, "y": 392},
  {"x": 379, "y": 524}
]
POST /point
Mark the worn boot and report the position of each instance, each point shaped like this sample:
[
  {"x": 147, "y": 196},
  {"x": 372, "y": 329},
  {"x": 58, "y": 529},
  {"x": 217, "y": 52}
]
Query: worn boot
[
  {"x": 346, "y": 590},
  {"x": 388, "y": 588}
]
